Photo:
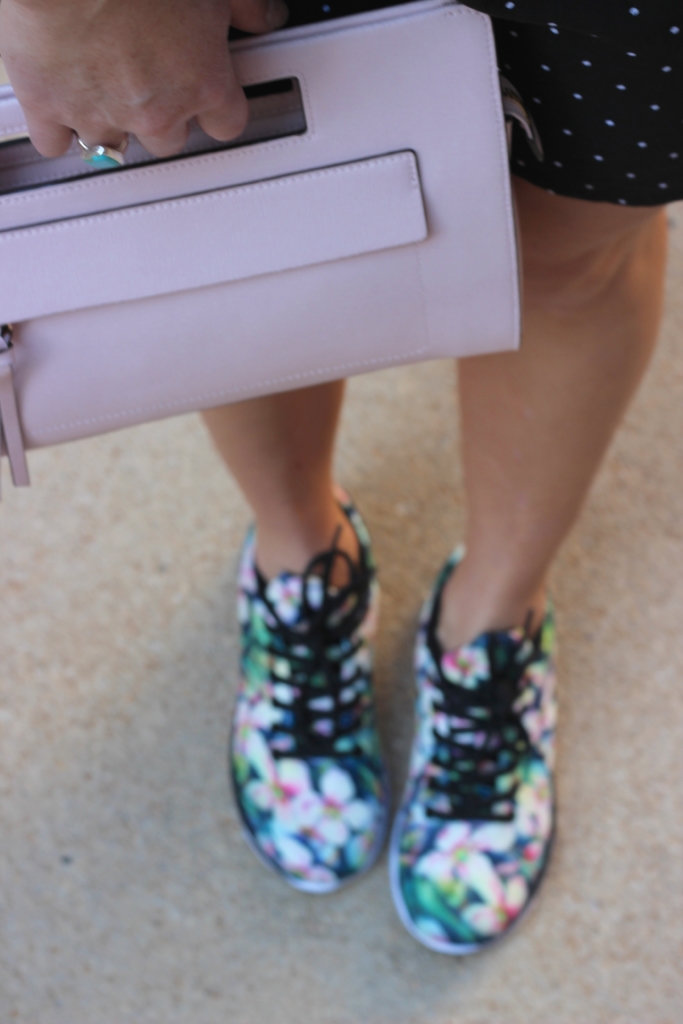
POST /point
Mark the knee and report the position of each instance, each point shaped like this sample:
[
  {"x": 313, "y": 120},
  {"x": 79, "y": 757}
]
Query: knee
[
  {"x": 576, "y": 253},
  {"x": 566, "y": 282}
]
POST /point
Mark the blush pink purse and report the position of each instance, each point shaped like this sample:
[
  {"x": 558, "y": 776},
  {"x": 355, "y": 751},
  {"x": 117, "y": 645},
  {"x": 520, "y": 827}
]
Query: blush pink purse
[{"x": 364, "y": 219}]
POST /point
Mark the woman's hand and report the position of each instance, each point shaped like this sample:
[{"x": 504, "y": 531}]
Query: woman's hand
[{"x": 103, "y": 68}]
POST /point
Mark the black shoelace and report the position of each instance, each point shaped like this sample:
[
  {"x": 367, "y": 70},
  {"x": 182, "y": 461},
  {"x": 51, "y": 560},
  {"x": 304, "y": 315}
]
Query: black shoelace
[
  {"x": 488, "y": 738},
  {"x": 325, "y": 706}
]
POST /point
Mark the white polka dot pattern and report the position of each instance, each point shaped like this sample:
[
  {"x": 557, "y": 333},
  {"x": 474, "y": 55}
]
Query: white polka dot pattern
[{"x": 605, "y": 85}]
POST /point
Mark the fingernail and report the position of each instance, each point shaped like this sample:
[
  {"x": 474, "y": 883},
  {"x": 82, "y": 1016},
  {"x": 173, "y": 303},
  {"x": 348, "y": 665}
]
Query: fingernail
[{"x": 277, "y": 14}]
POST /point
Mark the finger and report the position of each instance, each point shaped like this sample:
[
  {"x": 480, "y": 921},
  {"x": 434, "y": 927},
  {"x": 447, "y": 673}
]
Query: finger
[
  {"x": 49, "y": 137},
  {"x": 228, "y": 119},
  {"x": 168, "y": 144},
  {"x": 258, "y": 15}
]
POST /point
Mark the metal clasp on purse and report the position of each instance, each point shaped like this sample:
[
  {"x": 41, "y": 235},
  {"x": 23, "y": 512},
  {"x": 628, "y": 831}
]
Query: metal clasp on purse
[
  {"x": 514, "y": 110},
  {"x": 11, "y": 438}
]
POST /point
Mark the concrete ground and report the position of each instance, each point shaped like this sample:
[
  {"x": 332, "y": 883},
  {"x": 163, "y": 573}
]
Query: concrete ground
[{"x": 126, "y": 893}]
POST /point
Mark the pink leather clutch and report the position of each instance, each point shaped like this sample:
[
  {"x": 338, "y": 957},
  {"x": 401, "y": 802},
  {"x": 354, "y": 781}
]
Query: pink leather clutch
[{"x": 363, "y": 220}]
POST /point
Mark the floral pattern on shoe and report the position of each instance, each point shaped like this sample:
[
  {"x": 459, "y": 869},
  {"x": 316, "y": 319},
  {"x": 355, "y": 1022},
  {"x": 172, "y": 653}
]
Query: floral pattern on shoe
[
  {"x": 306, "y": 763},
  {"x": 473, "y": 835}
]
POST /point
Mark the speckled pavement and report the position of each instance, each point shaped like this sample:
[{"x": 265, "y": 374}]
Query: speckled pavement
[{"x": 126, "y": 893}]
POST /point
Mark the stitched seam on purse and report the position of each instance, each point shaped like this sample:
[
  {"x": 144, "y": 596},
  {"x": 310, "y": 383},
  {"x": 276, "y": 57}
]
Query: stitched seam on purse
[
  {"x": 423, "y": 291},
  {"x": 203, "y": 160},
  {"x": 211, "y": 396},
  {"x": 215, "y": 196},
  {"x": 458, "y": 10},
  {"x": 209, "y": 158}
]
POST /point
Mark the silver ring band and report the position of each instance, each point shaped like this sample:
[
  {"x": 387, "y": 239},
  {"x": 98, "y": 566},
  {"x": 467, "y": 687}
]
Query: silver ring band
[{"x": 103, "y": 157}]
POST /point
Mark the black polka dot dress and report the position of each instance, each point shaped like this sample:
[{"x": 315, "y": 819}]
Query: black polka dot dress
[{"x": 603, "y": 80}]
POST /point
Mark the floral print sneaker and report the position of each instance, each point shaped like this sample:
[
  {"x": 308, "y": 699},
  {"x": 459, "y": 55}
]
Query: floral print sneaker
[
  {"x": 472, "y": 839},
  {"x": 305, "y": 755}
]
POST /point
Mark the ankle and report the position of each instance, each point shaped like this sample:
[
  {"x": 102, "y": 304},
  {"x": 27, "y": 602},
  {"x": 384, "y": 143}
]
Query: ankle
[
  {"x": 470, "y": 607},
  {"x": 288, "y": 542}
]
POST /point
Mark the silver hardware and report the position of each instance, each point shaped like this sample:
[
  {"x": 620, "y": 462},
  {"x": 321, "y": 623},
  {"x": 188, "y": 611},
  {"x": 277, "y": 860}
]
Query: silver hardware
[{"x": 514, "y": 110}]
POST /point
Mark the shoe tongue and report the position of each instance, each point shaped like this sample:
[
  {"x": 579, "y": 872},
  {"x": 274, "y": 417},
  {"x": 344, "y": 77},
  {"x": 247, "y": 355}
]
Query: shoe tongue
[
  {"x": 286, "y": 596},
  {"x": 470, "y": 665}
]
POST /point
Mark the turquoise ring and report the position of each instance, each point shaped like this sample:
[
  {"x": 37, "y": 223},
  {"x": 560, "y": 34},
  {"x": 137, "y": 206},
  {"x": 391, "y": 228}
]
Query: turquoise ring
[{"x": 103, "y": 157}]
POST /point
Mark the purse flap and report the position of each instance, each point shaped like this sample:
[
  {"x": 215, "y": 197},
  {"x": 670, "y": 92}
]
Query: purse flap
[{"x": 224, "y": 235}]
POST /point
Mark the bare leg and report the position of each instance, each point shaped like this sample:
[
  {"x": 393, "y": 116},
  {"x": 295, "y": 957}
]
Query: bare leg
[
  {"x": 536, "y": 423},
  {"x": 279, "y": 449}
]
